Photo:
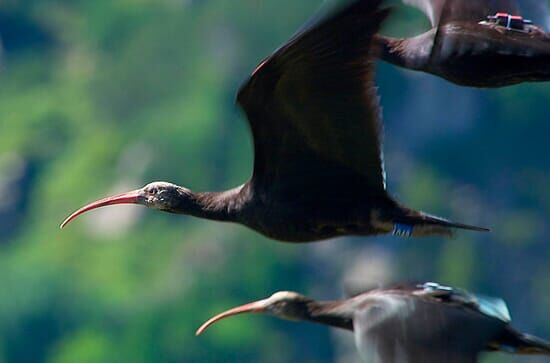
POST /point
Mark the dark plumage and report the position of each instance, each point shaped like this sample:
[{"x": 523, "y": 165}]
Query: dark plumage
[
  {"x": 318, "y": 170},
  {"x": 466, "y": 48},
  {"x": 426, "y": 323}
]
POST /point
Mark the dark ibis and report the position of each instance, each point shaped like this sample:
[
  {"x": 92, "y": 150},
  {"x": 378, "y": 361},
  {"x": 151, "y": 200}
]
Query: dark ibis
[
  {"x": 481, "y": 43},
  {"x": 427, "y": 323},
  {"x": 315, "y": 118}
]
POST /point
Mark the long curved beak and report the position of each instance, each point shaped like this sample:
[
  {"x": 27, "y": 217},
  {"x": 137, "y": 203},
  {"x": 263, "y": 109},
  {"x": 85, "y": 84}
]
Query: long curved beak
[
  {"x": 254, "y": 307},
  {"x": 132, "y": 197}
]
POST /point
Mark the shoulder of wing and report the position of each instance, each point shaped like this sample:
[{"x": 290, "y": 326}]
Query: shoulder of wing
[{"x": 489, "y": 306}]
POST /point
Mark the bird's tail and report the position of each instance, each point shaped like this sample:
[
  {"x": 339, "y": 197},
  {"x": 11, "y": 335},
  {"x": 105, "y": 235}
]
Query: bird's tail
[
  {"x": 521, "y": 343},
  {"x": 417, "y": 224}
]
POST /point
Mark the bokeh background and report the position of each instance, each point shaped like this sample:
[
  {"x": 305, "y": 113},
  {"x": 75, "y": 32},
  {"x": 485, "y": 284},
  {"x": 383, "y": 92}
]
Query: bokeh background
[{"x": 98, "y": 97}]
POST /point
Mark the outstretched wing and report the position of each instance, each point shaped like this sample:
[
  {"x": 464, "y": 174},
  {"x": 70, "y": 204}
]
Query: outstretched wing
[
  {"x": 313, "y": 107},
  {"x": 490, "y": 306},
  {"x": 398, "y": 326},
  {"x": 445, "y": 11}
]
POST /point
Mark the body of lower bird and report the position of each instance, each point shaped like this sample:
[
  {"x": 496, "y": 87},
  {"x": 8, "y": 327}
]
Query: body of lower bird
[{"x": 428, "y": 323}]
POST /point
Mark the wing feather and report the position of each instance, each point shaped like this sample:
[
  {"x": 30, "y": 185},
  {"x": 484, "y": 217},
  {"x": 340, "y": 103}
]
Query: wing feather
[
  {"x": 312, "y": 105},
  {"x": 396, "y": 327}
]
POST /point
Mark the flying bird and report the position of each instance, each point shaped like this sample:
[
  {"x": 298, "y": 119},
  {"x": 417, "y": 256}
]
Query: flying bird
[
  {"x": 314, "y": 114},
  {"x": 481, "y": 43},
  {"x": 428, "y": 323}
]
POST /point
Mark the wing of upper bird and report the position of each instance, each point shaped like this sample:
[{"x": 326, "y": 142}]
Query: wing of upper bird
[
  {"x": 426, "y": 324},
  {"x": 313, "y": 107},
  {"x": 445, "y": 11}
]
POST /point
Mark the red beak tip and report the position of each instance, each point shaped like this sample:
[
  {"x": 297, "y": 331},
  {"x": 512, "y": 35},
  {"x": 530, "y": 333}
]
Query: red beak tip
[{"x": 64, "y": 223}]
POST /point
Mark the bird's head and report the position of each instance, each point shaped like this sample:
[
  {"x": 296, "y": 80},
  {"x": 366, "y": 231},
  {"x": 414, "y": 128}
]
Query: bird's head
[
  {"x": 158, "y": 195},
  {"x": 283, "y": 304},
  {"x": 162, "y": 196}
]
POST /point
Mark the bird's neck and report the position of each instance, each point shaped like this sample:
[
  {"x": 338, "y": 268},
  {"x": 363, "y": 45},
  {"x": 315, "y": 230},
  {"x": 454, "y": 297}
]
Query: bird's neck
[
  {"x": 330, "y": 313},
  {"x": 412, "y": 53},
  {"x": 219, "y": 206}
]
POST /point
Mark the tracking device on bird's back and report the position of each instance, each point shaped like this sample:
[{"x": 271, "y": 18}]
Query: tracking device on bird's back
[{"x": 510, "y": 22}]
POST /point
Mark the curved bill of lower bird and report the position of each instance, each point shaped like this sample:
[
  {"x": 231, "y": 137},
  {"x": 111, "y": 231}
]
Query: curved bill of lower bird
[
  {"x": 254, "y": 307},
  {"x": 132, "y": 197}
]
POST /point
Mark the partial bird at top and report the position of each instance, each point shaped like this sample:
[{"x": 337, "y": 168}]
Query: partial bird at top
[
  {"x": 318, "y": 172},
  {"x": 481, "y": 43},
  {"x": 427, "y": 323}
]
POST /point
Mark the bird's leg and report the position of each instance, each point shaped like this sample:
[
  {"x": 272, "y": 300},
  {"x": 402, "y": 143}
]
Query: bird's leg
[
  {"x": 402, "y": 230},
  {"x": 386, "y": 226}
]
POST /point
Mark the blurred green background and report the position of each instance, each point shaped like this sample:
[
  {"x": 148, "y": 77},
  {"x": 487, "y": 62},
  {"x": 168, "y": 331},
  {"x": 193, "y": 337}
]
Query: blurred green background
[{"x": 98, "y": 97}]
